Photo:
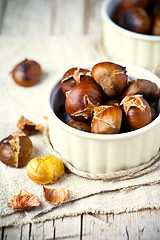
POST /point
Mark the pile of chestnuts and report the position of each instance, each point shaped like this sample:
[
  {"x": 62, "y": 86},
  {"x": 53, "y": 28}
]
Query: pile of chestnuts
[
  {"x": 105, "y": 101},
  {"x": 140, "y": 16}
]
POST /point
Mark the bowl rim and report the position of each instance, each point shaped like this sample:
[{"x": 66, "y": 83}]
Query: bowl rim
[
  {"x": 121, "y": 30},
  {"x": 92, "y": 136}
]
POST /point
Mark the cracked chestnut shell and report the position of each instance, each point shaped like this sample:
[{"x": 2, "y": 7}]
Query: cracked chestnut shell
[
  {"x": 137, "y": 112},
  {"x": 81, "y": 100},
  {"x": 148, "y": 89},
  {"x": 73, "y": 77},
  {"x": 111, "y": 77},
  {"x": 106, "y": 119},
  {"x": 15, "y": 150},
  {"x": 27, "y": 73}
]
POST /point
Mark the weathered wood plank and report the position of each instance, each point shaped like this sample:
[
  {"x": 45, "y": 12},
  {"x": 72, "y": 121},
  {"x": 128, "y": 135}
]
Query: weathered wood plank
[
  {"x": 69, "y": 17},
  {"x": 92, "y": 17},
  {"x": 42, "y": 231},
  {"x": 27, "y": 18},
  {"x": 137, "y": 225},
  {"x": 68, "y": 228},
  {"x": 12, "y": 233},
  {"x": 49, "y": 230},
  {"x": 25, "y": 232}
]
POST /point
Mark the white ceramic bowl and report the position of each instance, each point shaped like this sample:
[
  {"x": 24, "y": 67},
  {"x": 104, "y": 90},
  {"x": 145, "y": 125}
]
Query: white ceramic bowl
[
  {"x": 127, "y": 46},
  {"x": 97, "y": 153}
]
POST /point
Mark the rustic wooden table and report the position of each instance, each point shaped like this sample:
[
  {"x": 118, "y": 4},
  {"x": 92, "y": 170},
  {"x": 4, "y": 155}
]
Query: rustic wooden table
[{"x": 77, "y": 17}]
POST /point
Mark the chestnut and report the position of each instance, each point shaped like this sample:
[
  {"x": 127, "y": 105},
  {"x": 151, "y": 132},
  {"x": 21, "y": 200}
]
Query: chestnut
[
  {"x": 137, "y": 112},
  {"x": 134, "y": 3},
  {"x": 156, "y": 8},
  {"x": 112, "y": 102},
  {"x": 81, "y": 100},
  {"x": 27, "y": 73},
  {"x": 135, "y": 19},
  {"x": 106, "y": 120},
  {"x": 111, "y": 77},
  {"x": 156, "y": 26},
  {"x": 80, "y": 125},
  {"x": 15, "y": 150},
  {"x": 148, "y": 89},
  {"x": 74, "y": 76}
]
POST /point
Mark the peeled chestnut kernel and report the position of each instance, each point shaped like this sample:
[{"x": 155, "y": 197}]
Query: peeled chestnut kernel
[
  {"x": 156, "y": 26},
  {"x": 136, "y": 20},
  {"x": 28, "y": 127},
  {"x": 81, "y": 100},
  {"x": 15, "y": 150},
  {"x": 80, "y": 125},
  {"x": 74, "y": 76},
  {"x": 137, "y": 111},
  {"x": 148, "y": 89},
  {"x": 44, "y": 170},
  {"x": 111, "y": 77},
  {"x": 27, "y": 73},
  {"x": 134, "y": 3},
  {"x": 106, "y": 120}
]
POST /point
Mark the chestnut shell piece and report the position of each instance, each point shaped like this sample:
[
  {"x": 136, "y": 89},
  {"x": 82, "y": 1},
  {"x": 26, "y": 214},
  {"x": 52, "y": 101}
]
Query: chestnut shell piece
[
  {"x": 23, "y": 200},
  {"x": 55, "y": 195},
  {"x": 15, "y": 150},
  {"x": 111, "y": 77},
  {"x": 148, "y": 89},
  {"x": 82, "y": 126},
  {"x": 28, "y": 127},
  {"x": 27, "y": 73},
  {"x": 73, "y": 77},
  {"x": 81, "y": 100},
  {"x": 137, "y": 112},
  {"x": 46, "y": 169},
  {"x": 106, "y": 120}
]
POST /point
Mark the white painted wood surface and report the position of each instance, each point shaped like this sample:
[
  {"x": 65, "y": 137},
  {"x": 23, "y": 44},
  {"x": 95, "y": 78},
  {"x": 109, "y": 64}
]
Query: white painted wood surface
[{"x": 70, "y": 17}]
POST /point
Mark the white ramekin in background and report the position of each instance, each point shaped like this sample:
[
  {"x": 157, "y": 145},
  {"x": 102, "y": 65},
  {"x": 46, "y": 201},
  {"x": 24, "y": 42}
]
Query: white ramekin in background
[
  {"x": 102, "y": 153},
  {"x": 127, "y": 46}
]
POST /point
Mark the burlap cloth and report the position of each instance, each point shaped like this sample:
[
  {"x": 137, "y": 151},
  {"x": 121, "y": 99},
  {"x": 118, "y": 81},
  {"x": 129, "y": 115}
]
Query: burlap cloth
[{"x": 57, "y": 54}]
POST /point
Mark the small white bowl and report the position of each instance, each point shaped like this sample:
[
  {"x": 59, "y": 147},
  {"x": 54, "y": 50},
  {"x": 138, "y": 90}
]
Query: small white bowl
[
  {"x": 101, "y": 153},
  {"x": 127, "y": 46}
]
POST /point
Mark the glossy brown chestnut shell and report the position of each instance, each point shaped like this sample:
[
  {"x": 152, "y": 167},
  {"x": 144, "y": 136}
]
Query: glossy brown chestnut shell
[
  {"x": 81, "y": 100},
  {"x": 111, "y": 77},
  {"x": 156, "y": 26},
  {"x": 135, "y": 19},
  {"x": 15, "y": 150},
  {"x": 134, "y": 3},
  {"x": 82, "y": 126},
  {"x": 106, "y": 120},
  {"x": 73, "y": 77},
  {"x": 28, "y": 127},
  {"x": 137, "y": 112},
  {"x": 148, "y": 89},
  {"x": 27, "y": 73}
]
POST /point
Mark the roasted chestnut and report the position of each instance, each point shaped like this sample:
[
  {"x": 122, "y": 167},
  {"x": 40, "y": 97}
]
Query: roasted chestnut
[
  {"x": 137, "y": 112},
  {"x": 135, "y": 19},
  {"x": 15, "y": 150},
  {"x": 27, "y": 73},
  {"x": 81, "y": 100},
  {"x": 111, "y": 77},
  {"x": 80, "y": 125},
  {"x": 134, "y": 3},
  {"x": 106, "y": 119},
  {"x": 156, "y": 26},
  {"x": 74, "y": 76},
  {"x": 148, "y": 89}
]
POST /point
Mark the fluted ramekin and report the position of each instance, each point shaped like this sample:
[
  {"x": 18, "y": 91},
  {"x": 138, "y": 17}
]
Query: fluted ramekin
[
  {"x": 127, "y": 46},
  {"x": 102, "y": 153}
]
